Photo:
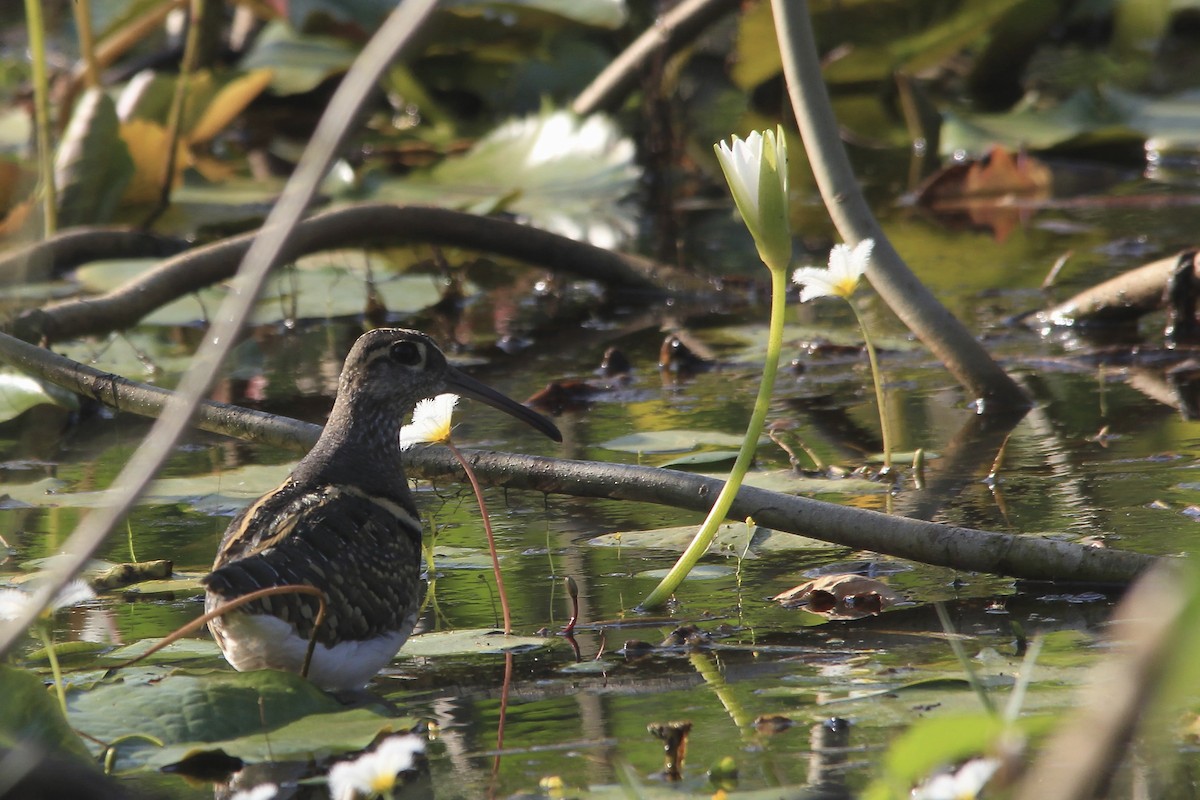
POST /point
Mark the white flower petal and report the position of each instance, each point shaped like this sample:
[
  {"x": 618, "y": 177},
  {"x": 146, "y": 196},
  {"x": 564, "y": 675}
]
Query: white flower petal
[
  {"x": 264, "y": 791},
  {"x": 431, "y": 421},
  {"x": 13, "y": 603},
  {"x": 375, "y": 772},
  {"x": 72, "y": 594},
  {"x": 846, "y": 267}
]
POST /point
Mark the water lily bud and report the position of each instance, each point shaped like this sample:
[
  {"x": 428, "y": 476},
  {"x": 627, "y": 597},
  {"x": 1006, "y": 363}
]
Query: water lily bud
[{"x": 756, "y": 170}]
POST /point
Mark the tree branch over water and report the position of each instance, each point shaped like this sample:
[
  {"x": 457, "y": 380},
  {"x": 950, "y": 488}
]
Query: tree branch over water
[
  {"x": 1029, "y": 557},
  {"x": 351, "y": 226}
]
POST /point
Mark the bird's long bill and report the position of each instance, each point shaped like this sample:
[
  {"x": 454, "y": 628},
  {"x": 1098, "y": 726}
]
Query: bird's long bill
[{"x": 461, "y": 383}]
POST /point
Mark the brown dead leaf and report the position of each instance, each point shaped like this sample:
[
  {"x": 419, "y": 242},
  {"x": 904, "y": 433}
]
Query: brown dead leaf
[
  {"x": 992, "y": 192},
  {"x": 842, "y": 596},
  {"x": 997, "y": 175}
]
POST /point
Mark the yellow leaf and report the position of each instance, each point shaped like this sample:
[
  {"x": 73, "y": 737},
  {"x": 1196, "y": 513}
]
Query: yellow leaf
[
  {"x": 230, "y": 101},
  {"x": 147, "y": 143}
]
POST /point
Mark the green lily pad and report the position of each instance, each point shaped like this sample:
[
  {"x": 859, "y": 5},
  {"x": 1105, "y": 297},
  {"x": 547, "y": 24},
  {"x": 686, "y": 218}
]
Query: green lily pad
[
  {"x": 476, "y": 641},
  {"x": 673, "y": 441},
  {"x": 700, "y": 572},
  {"x": 329, "y": 291},
  {"x": 253, "y": 715},
  {"x": 183, "y": 650},
  {"x": 732, "y": 539},
  {"x": 705, "y": 458},
  {"x": 30, "y": 715},
  {"x": 20, "y": 392},
  {"x": 225, "y": 492}
]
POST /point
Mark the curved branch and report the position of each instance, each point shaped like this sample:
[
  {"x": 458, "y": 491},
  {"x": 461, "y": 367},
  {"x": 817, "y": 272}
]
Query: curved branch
[
  {"x": 1029, "y": 557},
  {"x": 52, "y": 257},
  {"x": 357, "y": 225},
  {"x": 911, "y": 301},
  {"x": 678, "y": 27}
]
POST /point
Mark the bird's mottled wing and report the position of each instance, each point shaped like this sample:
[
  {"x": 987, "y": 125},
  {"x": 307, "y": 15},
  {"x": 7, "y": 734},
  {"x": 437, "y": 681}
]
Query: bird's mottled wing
[{"x": 362, "y": 550}]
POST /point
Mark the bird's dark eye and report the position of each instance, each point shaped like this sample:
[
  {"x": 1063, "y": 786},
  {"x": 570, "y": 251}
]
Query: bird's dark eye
[{"x": 406, "y": 353}]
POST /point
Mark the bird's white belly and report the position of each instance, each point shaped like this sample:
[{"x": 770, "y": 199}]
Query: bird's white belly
[{"x": 261, "y": 641}]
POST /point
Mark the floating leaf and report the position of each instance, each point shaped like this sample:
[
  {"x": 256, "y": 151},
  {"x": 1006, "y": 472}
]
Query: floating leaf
[
  {"x": 845, "y": 596},
  {"x": 476, "y": 641},
  {"x": 707, "y": 458},
  {"x": 251, "y": 715},
  {"x": 732, "y": 539},
  {"x": 20, "y": 392},
  {"x": 30, "y": 715},
  {"x": 673, "y": 441},
  {"x": 700, "y": 572}
]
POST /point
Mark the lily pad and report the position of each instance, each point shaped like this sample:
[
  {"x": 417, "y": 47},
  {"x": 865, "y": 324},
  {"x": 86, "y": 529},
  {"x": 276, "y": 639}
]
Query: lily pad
[
  {"x": 700, "y": 572},
  {"x": 30, "y": 715},
  {"x": 476, "y": 641},
  {"x": 225, "y": 492},
  {"x": 732, "y": 539},
  {"x": 20, "y": 392},
  {"x": 706, "y": 458},
  {"x": 252, "y": 715},
  {"x": 673, "y": 441}
]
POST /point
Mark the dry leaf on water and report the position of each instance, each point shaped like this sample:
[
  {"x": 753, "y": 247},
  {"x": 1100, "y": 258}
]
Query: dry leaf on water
[{"x": 844, "y": 596}]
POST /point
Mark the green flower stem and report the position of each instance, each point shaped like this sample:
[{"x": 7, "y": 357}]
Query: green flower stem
[
  {"x": 884, "y": 427},
  {"x": 703, "y": 538},
  {"x": 36, "y": 27},
  {"x": 43, "y": 632}
]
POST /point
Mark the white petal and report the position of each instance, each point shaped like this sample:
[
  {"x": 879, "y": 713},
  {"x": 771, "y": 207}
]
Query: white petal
[
  {"x": 73, "y": 593},
  {"x": 13, "y": 603},
  {"x": 264, "y": 791},
  {"x": 817, "y": 282},
  {"x": 431, "y": 421}
]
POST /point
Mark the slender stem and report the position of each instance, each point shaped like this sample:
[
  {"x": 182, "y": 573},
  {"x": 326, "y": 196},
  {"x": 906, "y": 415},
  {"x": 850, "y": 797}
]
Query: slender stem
[
  {"x": 43, "y": 633},
  {"x": 487, "y": 527},
  {"x": 885, "y": 427},
  {"x": 741, "y": 466},
  {"x": 41, "y": 113},
  {"x": 87, "y": 45}
]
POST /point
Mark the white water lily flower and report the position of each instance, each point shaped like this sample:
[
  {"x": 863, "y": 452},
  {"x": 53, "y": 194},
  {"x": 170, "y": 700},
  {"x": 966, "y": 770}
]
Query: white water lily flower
[
  {"x": 431, "y": 421},
  {"x": 374, "y": 774},
  {"x": 756, "y": 170},
  {"x": 15, "y": 602},
  {"x": 846, "y": 267},
  {"x": 264, "y": 791},
  {"x": 965, "y": 784}
]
